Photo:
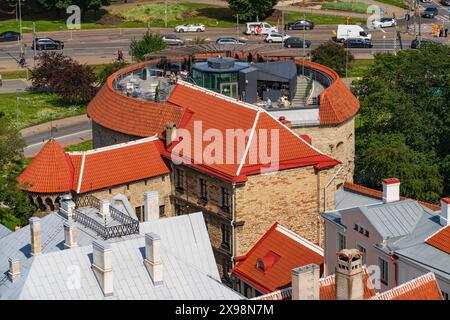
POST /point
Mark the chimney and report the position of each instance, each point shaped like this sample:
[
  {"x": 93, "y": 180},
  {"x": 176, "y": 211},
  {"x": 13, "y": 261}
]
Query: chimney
[
  {"x": 151, "y": 206},
  {"x": 284, "y": 121},
  {"x": 70, "y": 235},
  {"x": 152, "y": 259},
  {"x": 171, "y": 133},
  {"x": 35, "y": 229},
  {"x": 104, "y": 208},
  {"x": 305, "y": 282},
  {"x": 102, "y": 266},
  {"x": 14, "y": 268},
  {"x": 67, "y": 206},
  {"x": 349, "y": 280},
  {"x": 391, "y": 190},
  {"x": 445, "y": 209}
]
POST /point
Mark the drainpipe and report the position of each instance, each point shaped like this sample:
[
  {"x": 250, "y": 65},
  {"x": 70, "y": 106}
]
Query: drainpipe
[
  {"x": 326, "y": 186},
  {"x": 394, "y": 262},
  {"x": 233, "y": 218}
]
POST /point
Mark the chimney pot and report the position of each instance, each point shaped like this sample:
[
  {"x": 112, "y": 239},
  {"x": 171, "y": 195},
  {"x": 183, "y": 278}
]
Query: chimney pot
[
  {"x": 102, "y": 266},
  {"x": 445, "y": 209},
  {"x": 305, "y": 282},
  {"x": 391, "y": 190},
  {"x": 171, "y": 133},
  {"x": 70, "y": 235},
  {"x": 151, "y": 206},
  {"x": 349, "y": 280},
  {"x": 152, "y": 260},
  {"x": 14, "y": 269},
  {"x": 35, "y": 229}
]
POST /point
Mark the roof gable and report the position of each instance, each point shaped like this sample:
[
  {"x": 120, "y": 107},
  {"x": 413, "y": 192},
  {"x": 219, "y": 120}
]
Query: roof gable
[{"x": 440, "y": 240}]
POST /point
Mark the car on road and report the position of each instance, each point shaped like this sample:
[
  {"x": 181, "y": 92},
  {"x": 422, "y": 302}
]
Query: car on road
[
  {"x": 426, "y": 1},
  {"x": 430, "y": 12},
  {"x": 384, "y": 23},
  {"x": 256, "y": 28},
  {"x": 190, "y": 28},
  {"x": 294, "y": 42},
  {"x": 172, "y": 40},
  {"x": 358, "y": 43},
  {"x": 349, "y": 31},
  {"x": 415, "y": 43},
  {"x": 276, "y": 37},
  {"x": 9, "y": 36},
  {"x": 47, "y": 44},
  {"x": 445, "y": 2},
  {"x": 299, "y": 25},
  {"x": 230, "y": 40}
]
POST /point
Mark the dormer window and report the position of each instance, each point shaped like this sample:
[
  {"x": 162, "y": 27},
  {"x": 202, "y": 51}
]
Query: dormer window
[{"x": 266, "y": 262}]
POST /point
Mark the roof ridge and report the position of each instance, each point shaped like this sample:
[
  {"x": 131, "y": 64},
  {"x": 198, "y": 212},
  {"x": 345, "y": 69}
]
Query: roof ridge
[{"x": 249, "y": 142}]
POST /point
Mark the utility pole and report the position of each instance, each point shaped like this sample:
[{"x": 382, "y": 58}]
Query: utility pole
[
  {"x": 282, "y": 25},
  {"x": 304, "y": 46},
  {"x": 20, "y": 27},
  {"x": 17, "y": 108},
  {"x": 346, "y": 56},
  {"x": 165, "y": 13},
  {"x": 237, "y": 25},
  {"x": 34, "y": 47}
]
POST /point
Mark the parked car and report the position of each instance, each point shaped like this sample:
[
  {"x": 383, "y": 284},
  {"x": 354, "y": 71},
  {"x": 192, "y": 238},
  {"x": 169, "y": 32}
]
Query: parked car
[
  {"x": 349, "y": 31},
  {"x": 384, "y": 23},
  {"x": 47, "y": 44},
  {"x": 276, "y": 37},
  {"x": 445, "y": 2},
  {"x": 172, "y": 40},
  {"x": 430, "y": 12},
  {"x": 190, "y": 28},
  {"x": 300, "y": 25},
  {"x": 415, "y": 43},
  {"x": 259, "y": 28},
  {"x": 294, "y": 42},
  {"x": 9, "y": 36},
  {"x": 229, "y": 40},
  {"x": 426, "y": 1},
  {"x": 358, "y": 43}
]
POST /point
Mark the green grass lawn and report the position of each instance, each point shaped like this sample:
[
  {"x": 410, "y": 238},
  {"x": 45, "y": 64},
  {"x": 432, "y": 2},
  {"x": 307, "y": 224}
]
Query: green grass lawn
[
  {"x": 346, "y": 6},
  {"x": 397, "y": 3},
  {"x": 83, "y": 146},
  {"x": 359, "y": 67},
  {"x": 36, "y": 108},
  {"x": 322, "y": 18}
]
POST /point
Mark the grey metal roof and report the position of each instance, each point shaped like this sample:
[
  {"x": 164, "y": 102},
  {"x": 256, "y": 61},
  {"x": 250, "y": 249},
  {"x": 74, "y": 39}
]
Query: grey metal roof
[
  {"x": 4, "y": 231},
  {"x": 344, "y": 199},
  {"x": 277, "y": 70},
  {"x": 394, "y": 219},
  {"x": 189, "y": 269}
]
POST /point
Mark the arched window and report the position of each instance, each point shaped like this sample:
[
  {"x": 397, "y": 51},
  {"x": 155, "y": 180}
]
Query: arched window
[
  {"x": 41, "y": 204},
  {"x": 49, "y": 203}
]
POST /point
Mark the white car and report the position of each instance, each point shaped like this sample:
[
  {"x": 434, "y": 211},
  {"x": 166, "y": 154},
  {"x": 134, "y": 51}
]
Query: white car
[
  {"x": 426, "y": 1},
  {"x": 190, "y": 28},
  {"x": 276, "y": 37},
  {"x": 385, "y": 23}
]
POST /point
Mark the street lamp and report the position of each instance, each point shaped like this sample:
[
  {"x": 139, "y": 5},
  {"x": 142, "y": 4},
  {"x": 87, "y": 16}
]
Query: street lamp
[{"x": 20, "y": 26}]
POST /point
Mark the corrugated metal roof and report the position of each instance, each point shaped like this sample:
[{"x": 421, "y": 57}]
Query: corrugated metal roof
[{"x": 4, "y": 231}]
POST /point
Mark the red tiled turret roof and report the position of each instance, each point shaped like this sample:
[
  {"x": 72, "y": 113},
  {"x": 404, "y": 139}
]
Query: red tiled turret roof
[{"x": 51, "y": 171}]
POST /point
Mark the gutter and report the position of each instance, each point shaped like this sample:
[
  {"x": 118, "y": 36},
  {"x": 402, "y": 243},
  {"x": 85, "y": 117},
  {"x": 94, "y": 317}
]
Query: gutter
[
  {"x": 233, "y": 219},
  {"x": 326, "y": 186},
  {"x": 394, "y": 262}
]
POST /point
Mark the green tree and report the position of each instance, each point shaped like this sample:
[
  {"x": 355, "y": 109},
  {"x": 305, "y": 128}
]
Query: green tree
[
  {"x": 151, "y": 42},
  {"x": 252, "y": 9},
  {"x": 332, "y": 55},
  {"x": 109, "y": 69}
]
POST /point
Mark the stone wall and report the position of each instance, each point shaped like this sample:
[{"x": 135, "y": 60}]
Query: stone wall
[
  {"x": 336, "y": 141},
  {"x": 103, "y": 137}
]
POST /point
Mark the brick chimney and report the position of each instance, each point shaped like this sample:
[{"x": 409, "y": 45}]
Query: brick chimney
[
  {"x": 70, "y": 235},
  {"x": 151, "y": 206},
  {"x": 171, "y": 133},
  {"x": 14, "y": 269},
  {"x": 349, "y": 280},
  {"x": 305, "y": 282},
  {"x": 284, "y": 121},
  {"x": 445, "y": 209},
  {"x": 35, "y": 229},
  {"x": 102, "y": 266},
  {"x": 152, "y": 259},
  {"x": 391, "y": 190}
]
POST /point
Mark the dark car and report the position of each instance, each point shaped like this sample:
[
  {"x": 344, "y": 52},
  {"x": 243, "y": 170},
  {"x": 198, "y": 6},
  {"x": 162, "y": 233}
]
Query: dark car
[
  {"x": 430, "y": 12},
  {"x": 300, "y": 25},
  {"x": 294, "y": 42},
  {"x": 358, "y": 43},
  {"x": 445, "y": 2},
  {"x": 415, "y": 43},
  {"x": 9, "y": 36},
  {"x": 47, "y": 44},
  {"x": 172, "y": 40},
  {"x": 229, "y": 40}
]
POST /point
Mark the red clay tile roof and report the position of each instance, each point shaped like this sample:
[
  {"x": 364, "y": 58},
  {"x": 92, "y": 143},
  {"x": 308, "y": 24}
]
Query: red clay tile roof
[
  {"x": 235, "y": 115},
  {"x": 51, "y": 171},
  {"x": 280, "y": 250},
  {"x": 55, "y": 171},
  {"x": 377, "y": 194},
  {"x": 422, "y": 288},
  {"x": 115, "y": 111},
  {"x": 440, "y": 240}
]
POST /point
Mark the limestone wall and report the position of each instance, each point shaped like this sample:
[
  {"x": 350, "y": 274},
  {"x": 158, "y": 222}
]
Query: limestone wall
[{"x": 103, "y": 137}]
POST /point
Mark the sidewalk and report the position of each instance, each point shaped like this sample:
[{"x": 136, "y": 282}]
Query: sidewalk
[
  {"x": 12, "y": 86},
  {"x": 45, "y": 127}
]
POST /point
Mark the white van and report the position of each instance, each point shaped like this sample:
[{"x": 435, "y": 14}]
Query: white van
[
  {"x": 345, "y": 32},
  {"x": 259, "y": 28}
]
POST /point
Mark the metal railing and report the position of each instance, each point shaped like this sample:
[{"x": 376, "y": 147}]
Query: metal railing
[
  {"x": 88, "y": 201},
  {"x": 90, "y": 223}
]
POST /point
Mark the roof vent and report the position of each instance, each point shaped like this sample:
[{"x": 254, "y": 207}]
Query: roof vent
[
  {"x": 445, "y": 209},
  {"x": 266, "y": 262}
]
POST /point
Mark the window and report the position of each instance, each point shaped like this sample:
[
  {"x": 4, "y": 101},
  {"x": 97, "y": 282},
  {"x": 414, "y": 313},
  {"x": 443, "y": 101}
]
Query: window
[
  {"x": 203, "y": 190},
  {"x": 383, "y": 264},
  {"x": 179, "y": 179},
  {"x": 361, "y": 230},
  {"x": 225, "y": 198},
  {"x": 363, "y": 251},
  {"x": 145, "y": 181},
  {"x": 340, "y": 241},
  {"x": 445, "y": 295},
  {"x": 225, "y": 235},
  {"x": 110, "y": 190},
  {"x": 179, "y": 209},
  {"x": 162, "y": 211},
  {"x": 128, "y": 186}
]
